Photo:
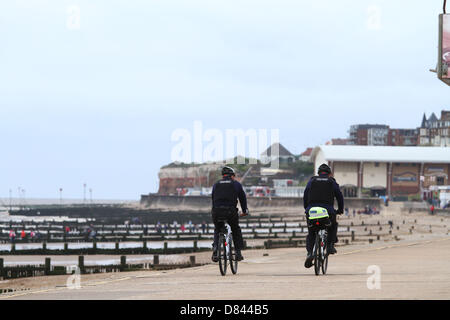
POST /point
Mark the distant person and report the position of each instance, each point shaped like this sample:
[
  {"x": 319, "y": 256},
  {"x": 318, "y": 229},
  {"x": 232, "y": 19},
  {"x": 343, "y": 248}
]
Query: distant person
[
  {"x": 321, "y": 191},
  {"x": 432, "y": 209},
  {"x": 203, "y": 227},
  {"x": 225, "y": 194},
  {"x": 12, "y": 236},
  {"x": 391, "y": 224},
  {"x": 23, "y": 235},
  {"x": 354, "y": 213},
  {"x": 346, "y": 211}
]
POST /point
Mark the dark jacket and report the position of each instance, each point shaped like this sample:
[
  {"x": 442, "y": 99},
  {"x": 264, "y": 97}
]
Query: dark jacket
[
  {"x": 232, "y": 201},
  {"x": 336, "y": 194}
]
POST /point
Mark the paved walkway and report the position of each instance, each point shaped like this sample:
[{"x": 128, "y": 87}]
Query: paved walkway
[{"x": 415, "y": 269}]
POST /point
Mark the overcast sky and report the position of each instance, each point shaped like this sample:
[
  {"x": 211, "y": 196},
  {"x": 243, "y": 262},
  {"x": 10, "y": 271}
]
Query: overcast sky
[{"x": 95, "y": 99}]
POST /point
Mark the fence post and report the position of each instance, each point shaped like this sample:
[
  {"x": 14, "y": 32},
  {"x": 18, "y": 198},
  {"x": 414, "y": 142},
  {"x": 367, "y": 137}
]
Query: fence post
[
  {"x": 117, "y": 246},
  {"x": 145, "y": 245},
  {"x": 47, "y": 266},
  {"x": 13, "y": 247},
  {"x": 155, "y": 259},
  {"x": 192, "y": 261},
  {"x": 81, "y": 263},
  {"x": 195, "y": 245},
  {"x": 66, "y": 247},
  {"x": 165, "y": 246},
  {"x": 44, "y": 246},
  {"x": 123, "y": 262},
  {"x": 1, "y": 268},
  {"x": 353, "y": 235}
]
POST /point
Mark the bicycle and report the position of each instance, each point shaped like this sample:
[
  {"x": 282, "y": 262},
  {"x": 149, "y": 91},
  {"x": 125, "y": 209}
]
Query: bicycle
[
  {"x": 226, "y": 251},
  {"x": 319, "y": 221},
  {"x": 321, "y": 252}
]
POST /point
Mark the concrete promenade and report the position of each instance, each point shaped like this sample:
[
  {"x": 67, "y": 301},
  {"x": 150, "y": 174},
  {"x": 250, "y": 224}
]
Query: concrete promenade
[{"x": 415, "y": 268}]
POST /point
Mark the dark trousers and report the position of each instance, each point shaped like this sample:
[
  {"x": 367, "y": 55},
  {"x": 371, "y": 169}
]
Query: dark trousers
[
  {"x": 232, "y": 218},
  {"x": 332, "y": 234}
]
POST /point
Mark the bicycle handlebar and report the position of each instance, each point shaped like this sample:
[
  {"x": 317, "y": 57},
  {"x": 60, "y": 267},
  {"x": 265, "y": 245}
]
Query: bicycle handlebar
[{"x": 243, "y": 214}]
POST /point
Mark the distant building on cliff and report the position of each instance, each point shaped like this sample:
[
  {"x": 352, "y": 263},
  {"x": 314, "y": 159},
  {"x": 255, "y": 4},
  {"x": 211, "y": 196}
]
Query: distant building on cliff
[
  {"x": 306, "y": 155},
  {"x": 277, "y": 151},
  {"x": 434, "y": 131},
  {"x": 368, "y": 134},
  {"x": 174, "y": 178}
]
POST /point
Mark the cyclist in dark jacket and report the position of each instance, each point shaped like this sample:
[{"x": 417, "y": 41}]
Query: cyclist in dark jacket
[
  {"x": 321, "y": 191},
  {"x": 225, "y": 194}
]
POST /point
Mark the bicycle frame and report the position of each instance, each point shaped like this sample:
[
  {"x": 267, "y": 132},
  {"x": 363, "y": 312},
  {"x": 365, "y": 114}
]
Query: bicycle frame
[
  {"x": 323, "y": 235},
  {"x": 228, "y": 238},
  {"x": 320, "y": 256}
]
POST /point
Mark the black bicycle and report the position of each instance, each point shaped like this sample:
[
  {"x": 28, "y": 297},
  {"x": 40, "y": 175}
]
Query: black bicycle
[
  {"x": 320, "y": 251},
  {"x": 319, "y": 222},
  {"x": 226, "y": 251}
]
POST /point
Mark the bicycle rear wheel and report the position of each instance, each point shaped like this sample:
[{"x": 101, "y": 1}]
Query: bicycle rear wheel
[
  {"x": 317, "y": 260},
  {"x": 232, "y": 256},
  {"x": 222, "y": 253}
]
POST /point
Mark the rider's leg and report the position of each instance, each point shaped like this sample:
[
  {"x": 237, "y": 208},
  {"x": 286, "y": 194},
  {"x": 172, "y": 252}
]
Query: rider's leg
[
  {"x": 310, "y": 239},
  {"x": 233, "y": 221},
  {"x": 332, "y": 234},
  {"x": 217, "y": 227}
]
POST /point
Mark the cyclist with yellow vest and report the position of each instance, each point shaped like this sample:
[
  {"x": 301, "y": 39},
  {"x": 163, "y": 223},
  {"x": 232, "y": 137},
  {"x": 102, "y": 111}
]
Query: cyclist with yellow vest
[{"x": 319, "y": 195}]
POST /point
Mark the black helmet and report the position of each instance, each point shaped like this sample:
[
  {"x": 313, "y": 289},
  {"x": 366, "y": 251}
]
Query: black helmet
[
  {"x": 228, "y": 171},
  {"x": 324, "y": 169}
]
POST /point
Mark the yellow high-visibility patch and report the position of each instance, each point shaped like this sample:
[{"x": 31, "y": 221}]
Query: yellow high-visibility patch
[{"x": 317, "y": 213}]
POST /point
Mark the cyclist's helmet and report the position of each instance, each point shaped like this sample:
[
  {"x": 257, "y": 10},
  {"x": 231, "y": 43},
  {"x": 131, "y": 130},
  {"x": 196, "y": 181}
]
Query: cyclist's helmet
[
  {"x": 228, "y": 171},
  {"x": 324, "y": 169}
]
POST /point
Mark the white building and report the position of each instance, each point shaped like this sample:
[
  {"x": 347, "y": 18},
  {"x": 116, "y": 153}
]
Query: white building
[{"x": 380, "y": 170}]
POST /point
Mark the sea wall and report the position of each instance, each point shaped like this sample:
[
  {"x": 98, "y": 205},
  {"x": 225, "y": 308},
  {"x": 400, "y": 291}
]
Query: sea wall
[{"x": 203, "y": 203}]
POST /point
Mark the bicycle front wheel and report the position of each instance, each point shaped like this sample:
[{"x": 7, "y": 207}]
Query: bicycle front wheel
[
  {"x": 232, "y": 256},
  {"x": 222, "y": 253},
  {"x": 325, "y": 256}
]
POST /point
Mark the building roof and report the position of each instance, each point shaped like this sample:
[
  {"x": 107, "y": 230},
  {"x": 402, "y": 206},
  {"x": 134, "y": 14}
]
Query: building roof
[
  {"x": 433, "y": 118},
  {"x": 370, "y": 126},
  {"x": 384, "y": 154},
  {"x": 339, "y": 142},
  {"x": 282, "y": 151},
  {"x": 307, "y": 152}
]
